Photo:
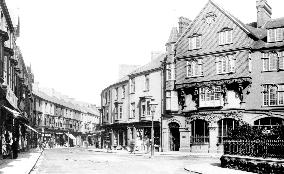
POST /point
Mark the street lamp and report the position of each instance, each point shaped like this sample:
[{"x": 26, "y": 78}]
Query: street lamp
[{"x": 153, "y": 106}]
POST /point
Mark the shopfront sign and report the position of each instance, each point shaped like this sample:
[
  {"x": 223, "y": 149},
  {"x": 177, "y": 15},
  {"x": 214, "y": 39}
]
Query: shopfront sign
[{"x": 11, "y": 97}]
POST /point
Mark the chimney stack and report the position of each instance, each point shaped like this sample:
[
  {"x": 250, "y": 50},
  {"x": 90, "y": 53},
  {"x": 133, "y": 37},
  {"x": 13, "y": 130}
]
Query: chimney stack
[
  {"x": 183, "y": 24},
  {"x": 264, "y": 12}
]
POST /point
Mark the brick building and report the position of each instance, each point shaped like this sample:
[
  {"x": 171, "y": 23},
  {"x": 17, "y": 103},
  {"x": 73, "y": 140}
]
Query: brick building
[{"x": 125, "y": 105}]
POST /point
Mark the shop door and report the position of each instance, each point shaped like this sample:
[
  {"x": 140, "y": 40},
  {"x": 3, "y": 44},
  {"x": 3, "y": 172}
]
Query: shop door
[{"x": 174, "y": 136}]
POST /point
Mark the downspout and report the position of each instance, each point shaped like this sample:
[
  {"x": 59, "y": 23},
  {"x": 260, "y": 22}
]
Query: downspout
[{"x": 163, "y": 84}]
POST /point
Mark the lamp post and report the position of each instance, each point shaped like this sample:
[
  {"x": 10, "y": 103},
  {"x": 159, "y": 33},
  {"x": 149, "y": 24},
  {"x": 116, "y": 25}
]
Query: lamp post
[{"x": 153, "y": 105}]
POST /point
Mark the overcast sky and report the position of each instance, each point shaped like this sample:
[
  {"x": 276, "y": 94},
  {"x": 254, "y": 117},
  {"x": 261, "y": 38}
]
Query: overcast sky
[{"x": 76, "y": 46}]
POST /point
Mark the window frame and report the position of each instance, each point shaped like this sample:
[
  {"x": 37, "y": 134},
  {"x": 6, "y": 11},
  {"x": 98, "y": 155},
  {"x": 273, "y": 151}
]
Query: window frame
[
  {"x": 267, "y": 94},
  {"x": 195, "y": 66},
  {"x": 194, "y": 42},
  {"x": 225, "y": 64},
  {"x": 275, "y": 35},
  {"x": 225, "y": 36}
]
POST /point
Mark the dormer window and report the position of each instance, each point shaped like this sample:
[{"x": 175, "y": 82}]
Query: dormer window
[
  {"x": 225, "y": 36},
  {"x": 194, "y": 42},
  {"x": 275, "y": 35}
]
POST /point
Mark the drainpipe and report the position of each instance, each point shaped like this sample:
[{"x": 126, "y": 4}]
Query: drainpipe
[{"x": 163, "y": 86}]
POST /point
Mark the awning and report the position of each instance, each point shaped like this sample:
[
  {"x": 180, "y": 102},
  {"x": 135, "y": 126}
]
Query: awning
[
  {"x": 14, "y": 112},
  {"x": 31, "y": 128},
  {"x": 70, "y": 136}
]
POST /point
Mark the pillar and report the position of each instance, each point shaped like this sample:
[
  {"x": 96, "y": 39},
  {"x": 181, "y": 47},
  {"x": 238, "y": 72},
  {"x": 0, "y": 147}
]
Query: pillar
[
  {"x": 185, "y": 134},
  {"x": 213, "y": 137}
]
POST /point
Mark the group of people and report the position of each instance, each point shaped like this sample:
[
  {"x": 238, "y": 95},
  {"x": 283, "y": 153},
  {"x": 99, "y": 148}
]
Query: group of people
[
  {"x": 9, "y": 145},
  {"x": 140, "y": 145}
]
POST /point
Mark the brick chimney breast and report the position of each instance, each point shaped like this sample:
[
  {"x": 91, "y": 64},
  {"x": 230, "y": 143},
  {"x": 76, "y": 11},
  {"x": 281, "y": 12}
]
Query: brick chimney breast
[{"x": 264, "y": 12}]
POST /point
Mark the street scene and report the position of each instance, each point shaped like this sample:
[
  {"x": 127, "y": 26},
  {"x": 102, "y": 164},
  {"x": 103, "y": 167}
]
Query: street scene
[
  {"x": 80, "y": 160},
  {"x": 166, "y": 87}
]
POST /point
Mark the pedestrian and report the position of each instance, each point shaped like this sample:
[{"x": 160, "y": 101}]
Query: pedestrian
[
  {"x": 147, "y": 144},
  {"x": 132, "y": 146},
  {"x": 15, "y": 148}
]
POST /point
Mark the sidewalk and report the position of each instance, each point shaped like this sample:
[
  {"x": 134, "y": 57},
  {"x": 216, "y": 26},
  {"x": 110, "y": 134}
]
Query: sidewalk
[
  {"x": 22, "y": 165},
  {"x": 212, "y": 169}
]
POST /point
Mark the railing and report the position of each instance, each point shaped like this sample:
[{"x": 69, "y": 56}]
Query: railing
[
  {"x": 199, "y": 140},
  {"x": 256, "y": 148}
]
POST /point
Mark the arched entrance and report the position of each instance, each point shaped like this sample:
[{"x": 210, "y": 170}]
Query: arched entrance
[{"x": 174, "y": 137}]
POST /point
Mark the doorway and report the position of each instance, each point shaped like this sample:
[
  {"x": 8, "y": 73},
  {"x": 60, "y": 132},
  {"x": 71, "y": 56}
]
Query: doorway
[{"x": 174, "y": 137}]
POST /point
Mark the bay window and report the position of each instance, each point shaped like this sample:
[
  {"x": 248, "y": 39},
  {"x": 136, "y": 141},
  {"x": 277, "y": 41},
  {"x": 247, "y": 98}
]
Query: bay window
[
  {"x": 210, "y": 97},
  {"x": 170, "y": 72}
]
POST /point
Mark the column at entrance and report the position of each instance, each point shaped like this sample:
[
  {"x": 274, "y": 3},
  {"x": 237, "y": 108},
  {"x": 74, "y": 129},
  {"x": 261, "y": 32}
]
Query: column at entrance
[
  {"x": 213, "y": 137},
  {"x": 185, "y": 139},
  {"x": 166, "y": 145}
]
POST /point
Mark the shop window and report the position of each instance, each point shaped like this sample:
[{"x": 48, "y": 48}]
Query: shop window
[
  {"x": 224, "y": 127},
  {"x": 199, "y": 132}
]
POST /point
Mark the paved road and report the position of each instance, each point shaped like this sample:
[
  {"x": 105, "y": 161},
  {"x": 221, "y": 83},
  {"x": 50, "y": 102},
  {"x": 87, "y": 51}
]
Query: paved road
[{"x": 80, "y": 160}]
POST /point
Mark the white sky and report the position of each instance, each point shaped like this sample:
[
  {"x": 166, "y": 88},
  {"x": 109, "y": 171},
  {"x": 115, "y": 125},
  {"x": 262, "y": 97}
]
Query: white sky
[{"x": 76, "y": 46}]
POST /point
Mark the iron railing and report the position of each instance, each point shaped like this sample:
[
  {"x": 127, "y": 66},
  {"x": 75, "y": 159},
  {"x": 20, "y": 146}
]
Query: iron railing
[
  {"x": 199, "y": 139},
  {"x": 255, "y": 148}
]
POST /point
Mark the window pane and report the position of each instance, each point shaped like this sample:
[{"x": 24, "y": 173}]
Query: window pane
[
  {"x": 189, "y": 69},
  {"x": 279, "y": 34},
  {"x": 198, "y": 41},
  {"x": 265, "y": 64},
  {"x": 281, "y": 98},
  {"x": 273, "y": 95},
  {"x": 273, "y": 62},
  {"x": 281, "y": 63}
]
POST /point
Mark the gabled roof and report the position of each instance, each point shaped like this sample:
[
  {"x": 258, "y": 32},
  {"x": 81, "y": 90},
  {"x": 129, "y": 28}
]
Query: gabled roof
[
  {"x": 243, "y": 26},
  {"x": 154, "y": 64},
  {"x": 173, "y": 36}
]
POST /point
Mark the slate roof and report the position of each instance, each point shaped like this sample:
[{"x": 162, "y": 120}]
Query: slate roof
[
  {"x": 154, "y": 64},
  {"x": 173, "y": 36},
  {"x": 275, "y": 23},
  {"x": 68, "y": 104},
  {"x": 262, "y": 43}
]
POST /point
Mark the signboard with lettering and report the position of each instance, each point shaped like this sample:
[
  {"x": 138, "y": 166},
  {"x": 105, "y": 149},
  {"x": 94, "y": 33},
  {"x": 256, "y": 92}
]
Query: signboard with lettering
[{"x": 11, "y": 97}]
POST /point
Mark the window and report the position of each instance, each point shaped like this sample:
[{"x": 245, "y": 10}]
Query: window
[
  {"x": 145, "y": 107},
  {"x": 225, "y": 37},
  {"x": 199, "y": 132},
  {"x": 116, "y": 93},
  {"x": 275, "y": 35},
  {"x": 194, "y": 68},
  {"x": 273, "y": 61},
  {"x": 224, "y": 127},
  {"x": 210, "y": 96},
  {"x": 249, "y": 62},
  {"x": 194, "y": 42},
  {"x": 147, "y": 82},
  {"x": 132, "y": 85},
  {"x": 120, "y": 112},
  {"x": 273, "y": 95},
  {"x": 132, "y": 114},
  {"x": 225, "y": 64},
  {"x": 170, "y": 70},
  {"x": 123, "y": 91}
]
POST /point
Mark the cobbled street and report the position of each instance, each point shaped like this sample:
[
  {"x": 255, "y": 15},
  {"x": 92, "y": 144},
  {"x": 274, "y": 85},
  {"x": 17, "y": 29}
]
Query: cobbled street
[{"x": 81, "y": 160}]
